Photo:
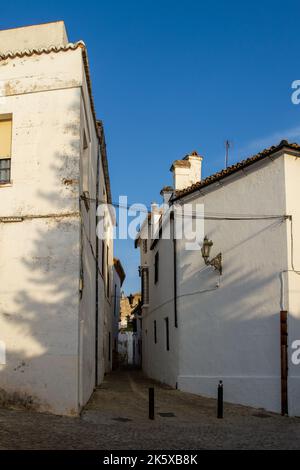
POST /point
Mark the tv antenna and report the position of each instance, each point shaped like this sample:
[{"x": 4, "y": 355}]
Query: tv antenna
[{"x": 227, "y": 147}]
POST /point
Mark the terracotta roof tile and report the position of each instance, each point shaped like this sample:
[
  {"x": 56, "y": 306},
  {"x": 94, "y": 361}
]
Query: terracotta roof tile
[
  {"x": 44, "y": 50},
  {"x": 236, "y": 167}
]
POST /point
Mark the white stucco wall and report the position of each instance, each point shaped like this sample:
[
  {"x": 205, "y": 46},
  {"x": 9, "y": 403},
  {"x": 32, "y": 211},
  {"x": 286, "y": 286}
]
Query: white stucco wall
[
  {"x": 232, "y": 333},
  {"x": 48, "y": 331},
  {"x": 38, "y": 314},
  {"x": 229, "y": 329},
  {"x": 106, "y": 300},
  {"x": 40, "y": 257},
  {"x": 292, "y": 278},
  {"x": 115, "y": 310},
  {"x": 157, "y": 362}
]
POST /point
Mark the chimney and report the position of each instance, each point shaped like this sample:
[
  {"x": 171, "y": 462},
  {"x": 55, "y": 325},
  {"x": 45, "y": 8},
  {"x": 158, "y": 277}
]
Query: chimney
[
  {"x": 155, "y": 218},
  {"x": 166, "y": 193},
  {"x": 187, "y": 171}
]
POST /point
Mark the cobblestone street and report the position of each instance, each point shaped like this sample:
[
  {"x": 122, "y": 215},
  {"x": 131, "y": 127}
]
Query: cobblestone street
[{"x": 117, "y": 418}]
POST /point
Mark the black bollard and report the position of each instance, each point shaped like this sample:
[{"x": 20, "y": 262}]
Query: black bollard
[
  {"x": 151, "y": 403},
  {"x": 220, "y": 400}
]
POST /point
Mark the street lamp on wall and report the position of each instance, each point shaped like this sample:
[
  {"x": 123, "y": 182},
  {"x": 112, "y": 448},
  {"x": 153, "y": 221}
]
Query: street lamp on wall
[
  {"x": 216, "y": 262},
  {"x": 131, "y": 299}
]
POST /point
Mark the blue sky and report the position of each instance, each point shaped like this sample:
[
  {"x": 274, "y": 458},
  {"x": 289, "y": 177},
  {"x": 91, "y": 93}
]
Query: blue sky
[{"x": 173, "y": 76}]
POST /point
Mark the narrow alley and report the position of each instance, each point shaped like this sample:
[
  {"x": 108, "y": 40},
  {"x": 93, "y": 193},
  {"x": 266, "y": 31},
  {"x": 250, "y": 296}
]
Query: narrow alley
[{"x": 116, "y": 417}]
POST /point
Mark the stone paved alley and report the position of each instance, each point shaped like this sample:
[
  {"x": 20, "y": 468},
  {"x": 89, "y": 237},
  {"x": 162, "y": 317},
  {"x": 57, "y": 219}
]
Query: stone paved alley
[{"x": 117, "y": 418}]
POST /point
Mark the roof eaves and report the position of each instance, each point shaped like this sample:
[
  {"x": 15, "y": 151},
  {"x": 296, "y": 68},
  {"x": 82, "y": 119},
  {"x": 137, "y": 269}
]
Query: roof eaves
[
  {"x": 101, "y": 137},
  {"x": 235, "y": 168},
  {"x": 119, "y": 269}
]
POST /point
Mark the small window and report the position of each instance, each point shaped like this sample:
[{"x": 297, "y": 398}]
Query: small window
[
  {"x": 85, "y": 142},
  {"x": 167, "y": 334},
  {"x": 5, "y": 148},
  {"x": 103, "y": 258},
  {"x": 145, "y": 286},
  {"x": 85, "y": 164},
  {"x": 108, "y": 285},
  {"x": 5, "y": 170},
  {"x": 145, "y": 246},
  {"x": 155, "y": 331},
  {"x": 115, "y": 300},
  {"x": 156, "y": 267},
  {"x": 109, "y": 346},
  {"x": 107, "y": 273}
]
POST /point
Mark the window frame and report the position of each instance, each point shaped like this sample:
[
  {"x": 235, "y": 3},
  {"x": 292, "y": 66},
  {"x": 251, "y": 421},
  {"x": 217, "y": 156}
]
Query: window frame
[
  {"x": 167, "y": 325},
  {"x": 107, "y": 273},
  {"x": 145, "y": 285},
  {"x": 6, "y": 158},
  {"x": 155, "y": 331},
  {"x": 5, "y": 169},
  {"x": 156, "y": 267}
]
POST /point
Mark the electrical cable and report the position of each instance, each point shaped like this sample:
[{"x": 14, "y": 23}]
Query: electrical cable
[{"x": 194, "y": 214}]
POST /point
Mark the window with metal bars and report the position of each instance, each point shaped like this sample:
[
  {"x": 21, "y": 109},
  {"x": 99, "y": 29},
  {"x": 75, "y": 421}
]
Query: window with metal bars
[
  {"x": 156, "y": 267},
  {"x": 167, "y": 334},
  {"x": 155, "y": 332},
  {"x": 145, "y": 285},
  {"x": 5, "y": 170},
  {"x": 5, "y": 147}
]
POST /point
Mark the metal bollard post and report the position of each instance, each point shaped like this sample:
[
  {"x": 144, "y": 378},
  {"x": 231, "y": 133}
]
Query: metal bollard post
[
  {"x": 151, "y": 403},
  {"x": 220, "y": 400}
]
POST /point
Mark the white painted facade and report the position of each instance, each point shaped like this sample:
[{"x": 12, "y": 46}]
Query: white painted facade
[
  {"x": 49, "y": 324},
  {"x": 113, "y": 327},
  {"x": 228, "y": 326},
  {"x": 129, "y": 349}
]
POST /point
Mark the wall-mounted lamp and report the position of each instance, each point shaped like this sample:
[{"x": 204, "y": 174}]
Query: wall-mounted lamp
[
  {"x": 131, "y": 299},
  {"x": 216, "y": 262}
]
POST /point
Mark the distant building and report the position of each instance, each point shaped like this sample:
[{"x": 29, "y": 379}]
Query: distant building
[
  {"x": 55, "y": 274},
  {"x": 231, "y": 310},
  {"x": 118, "y": 279},
  {"x": 127, "y": 304},
  {"x": 129, "y": 349}
]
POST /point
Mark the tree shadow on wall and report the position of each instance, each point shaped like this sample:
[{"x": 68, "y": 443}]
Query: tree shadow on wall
[{"x": 40, "y": 288}]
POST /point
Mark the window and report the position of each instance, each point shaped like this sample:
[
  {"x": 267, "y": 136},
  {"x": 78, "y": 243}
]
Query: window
[
  {"x": 107, "y": 273},
  {"x": 5, "y": 148},
  {"x": 85, "y": 164},
  {"x": 115, "y": 300},
  {"x": 145, "y": 286},
  {"x": 156, "y": 267},
  {"x": 109, "y": 346},
  {"x": 155, "y": 332},
  {"x": 145, "y": 246},
  {"x": 103, "y": 258},
  {"x": 167, "y": 333},
  {"x": 108, "y": 285}
]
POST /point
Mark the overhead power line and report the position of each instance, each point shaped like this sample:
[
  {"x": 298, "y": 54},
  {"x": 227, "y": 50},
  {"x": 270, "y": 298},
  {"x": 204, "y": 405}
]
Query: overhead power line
[{"x": 195, "y": 214}]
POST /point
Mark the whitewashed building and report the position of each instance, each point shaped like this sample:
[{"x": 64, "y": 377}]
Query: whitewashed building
[
  {"x": 118, "y": 279},
  {"x": 231, "y": 314},
  {"x": 55, "y": 286}
]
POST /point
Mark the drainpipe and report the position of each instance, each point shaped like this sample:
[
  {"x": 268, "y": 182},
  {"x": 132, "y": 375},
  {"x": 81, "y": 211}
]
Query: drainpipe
[
  {"x": 174, "y": 270},
  {"x": 97, "y": 275}
]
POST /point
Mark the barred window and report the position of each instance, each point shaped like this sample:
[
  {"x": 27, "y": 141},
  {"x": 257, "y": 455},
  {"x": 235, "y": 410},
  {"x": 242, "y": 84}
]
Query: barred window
[
  {"x": 145, "y": 286},
  {"x": 5, "y": 147},
  {"x": 167, "y": 334},
  {"x": 156, "y": 267},
  {"x": 155, "y": 332},
  {"x": 5, "y": 170}
]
